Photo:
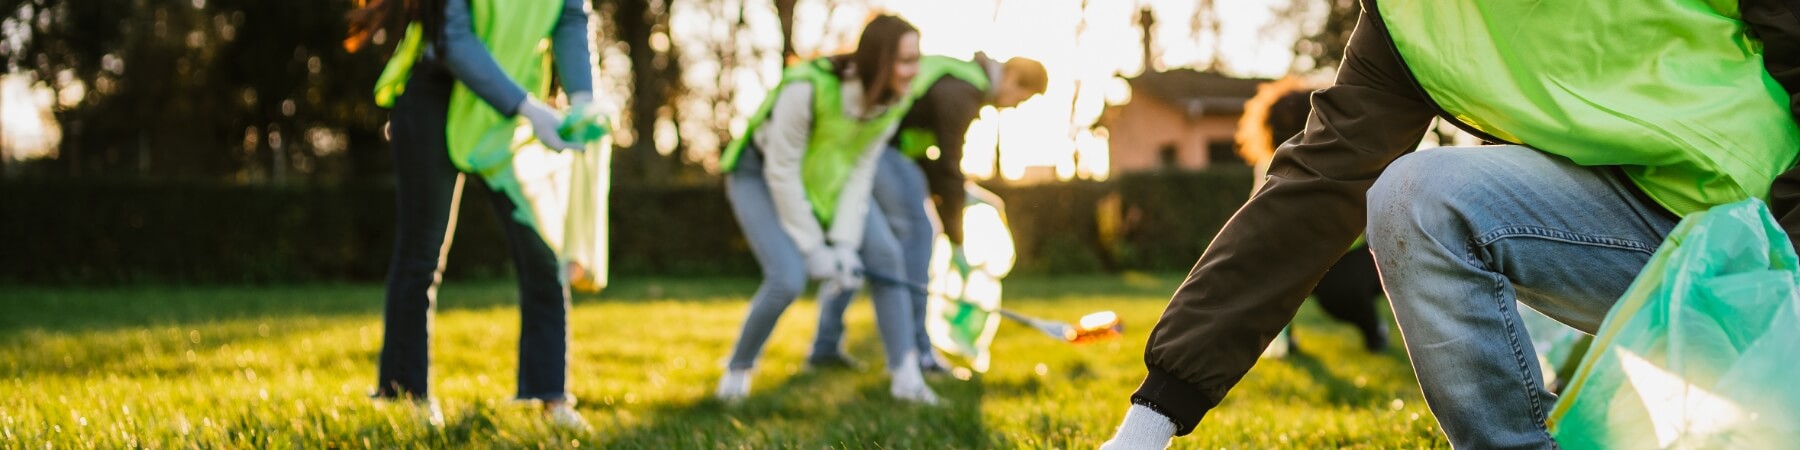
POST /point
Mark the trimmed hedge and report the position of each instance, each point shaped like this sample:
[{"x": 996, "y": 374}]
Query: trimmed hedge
[{"x": 65, "y": 232}]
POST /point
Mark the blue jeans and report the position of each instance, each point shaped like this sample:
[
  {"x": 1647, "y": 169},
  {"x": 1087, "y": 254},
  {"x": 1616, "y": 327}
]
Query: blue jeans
[
  {"x": 1459, "y": 234},
  {"x": 784, "y": 268},
  {"x": 428, "y": 190},
  {"x": 902, "y": 196}
]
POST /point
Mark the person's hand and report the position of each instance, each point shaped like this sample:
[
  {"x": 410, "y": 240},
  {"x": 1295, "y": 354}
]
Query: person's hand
[
  {"x": 545, "y": 123},
  {"x": 587, "y": 122},
  {"x": 850, "y": 268},
  {"x": 960, "y": 261},
  {"x": 822, "y": 263}
]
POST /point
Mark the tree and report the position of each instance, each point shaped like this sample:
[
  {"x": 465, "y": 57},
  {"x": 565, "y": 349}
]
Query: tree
[
  {"x": 784, "y": 10},
  {"x": 1324, "y": 28},
  {"x": 243, "y": 90},
  {"x": 656, "y": 86}
]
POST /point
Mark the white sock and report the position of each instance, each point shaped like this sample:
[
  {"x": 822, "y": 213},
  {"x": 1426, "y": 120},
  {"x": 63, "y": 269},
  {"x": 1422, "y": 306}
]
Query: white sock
[
  {"x": 909, "y": 382},
  {"x": 1143, "y": 429},
  {"x": 735, "y": 385}
]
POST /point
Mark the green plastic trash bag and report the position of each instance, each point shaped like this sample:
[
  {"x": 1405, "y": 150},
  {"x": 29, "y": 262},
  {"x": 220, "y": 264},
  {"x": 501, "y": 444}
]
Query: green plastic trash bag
[
  {"x": 963, "y": 312},
  {"x": 1559, "y": 347},
  {"x": 1699, "y": 352},
  {"x": 566, "y": 194}
]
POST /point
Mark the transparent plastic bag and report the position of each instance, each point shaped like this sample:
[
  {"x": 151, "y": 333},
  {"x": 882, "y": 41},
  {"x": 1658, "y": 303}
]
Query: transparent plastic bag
[{"x": 1699, "y": 351}]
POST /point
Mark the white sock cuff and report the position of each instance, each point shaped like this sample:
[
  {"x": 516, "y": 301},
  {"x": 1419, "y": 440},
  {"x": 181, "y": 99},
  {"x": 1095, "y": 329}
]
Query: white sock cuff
[{"x": 1143, "y": 428}]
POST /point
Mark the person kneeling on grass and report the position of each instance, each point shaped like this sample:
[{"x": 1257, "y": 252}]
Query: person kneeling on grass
[{"x": 1620, "y": 116}]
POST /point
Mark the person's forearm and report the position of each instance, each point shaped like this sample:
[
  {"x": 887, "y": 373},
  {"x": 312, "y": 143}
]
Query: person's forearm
[
  {"x": 571, "y": 43},
  {"x": 783, "y": 143},
  {"x": 1251, "y": 280},
  {"x": 947, "y": 186},
  {"x": 946, "y": 178}
]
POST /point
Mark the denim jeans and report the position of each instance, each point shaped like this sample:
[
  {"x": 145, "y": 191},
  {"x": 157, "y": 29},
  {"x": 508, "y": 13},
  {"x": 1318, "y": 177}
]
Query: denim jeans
[
  {"x": 428, "y": 190},
  {"x": 784, "y": 268},
  {"x": 1459, "y": 234},
  {"x": 901, "y": 194}
]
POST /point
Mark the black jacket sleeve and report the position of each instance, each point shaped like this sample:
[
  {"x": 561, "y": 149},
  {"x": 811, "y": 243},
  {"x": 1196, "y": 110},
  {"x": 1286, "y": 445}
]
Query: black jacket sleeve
[
  {"x": 1777, "y": 24},
  {"x": 946, "y": 109},
  {"x": 1249, "y": 283}
]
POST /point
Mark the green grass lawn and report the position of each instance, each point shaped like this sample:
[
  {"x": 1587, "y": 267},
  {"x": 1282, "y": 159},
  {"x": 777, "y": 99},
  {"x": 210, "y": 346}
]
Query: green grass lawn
[{"x": 290, "y": 367}]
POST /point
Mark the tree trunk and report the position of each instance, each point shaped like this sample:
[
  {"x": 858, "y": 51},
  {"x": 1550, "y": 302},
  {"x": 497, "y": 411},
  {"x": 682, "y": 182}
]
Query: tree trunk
[
  {"x": 635, "y": 24},
  {"x": 785, "y": 10}
]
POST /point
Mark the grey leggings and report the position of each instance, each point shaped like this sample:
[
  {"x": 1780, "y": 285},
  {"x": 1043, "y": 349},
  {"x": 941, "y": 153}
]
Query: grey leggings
[
  {"x": 901, "y": 195},
  {"x": 784, "y": 268}
]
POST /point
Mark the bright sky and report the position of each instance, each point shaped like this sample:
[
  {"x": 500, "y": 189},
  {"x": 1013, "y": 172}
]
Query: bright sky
[{"x": 1084, "y": 53}]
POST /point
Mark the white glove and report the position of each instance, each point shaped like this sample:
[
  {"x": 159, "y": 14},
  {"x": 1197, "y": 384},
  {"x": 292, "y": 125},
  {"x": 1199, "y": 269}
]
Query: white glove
[
  {"x": 544, "y": 123},
  {"x": 579, "y": 100},
  {"x": 850, "y": 268},
  {"x": 822, "y": 263}
]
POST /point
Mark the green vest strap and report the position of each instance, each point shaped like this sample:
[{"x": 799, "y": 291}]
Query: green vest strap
[{"x": 916, "y": 141}]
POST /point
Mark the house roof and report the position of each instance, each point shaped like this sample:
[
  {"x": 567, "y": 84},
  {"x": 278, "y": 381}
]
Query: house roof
[{"x": 1196, "y": 92}]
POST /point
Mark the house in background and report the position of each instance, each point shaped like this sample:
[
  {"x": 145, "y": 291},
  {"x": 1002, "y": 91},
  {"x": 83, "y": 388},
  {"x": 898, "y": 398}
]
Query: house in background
[{"x": 1180, "y": 119}]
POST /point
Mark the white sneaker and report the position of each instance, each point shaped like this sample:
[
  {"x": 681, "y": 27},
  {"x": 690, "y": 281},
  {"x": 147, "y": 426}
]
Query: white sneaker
[
  {"x": 563, "y": 414},
  {"x": 432, "y": 413},
  {"x": 734, "y": 386},
  {"x": 909, "y": 384}
]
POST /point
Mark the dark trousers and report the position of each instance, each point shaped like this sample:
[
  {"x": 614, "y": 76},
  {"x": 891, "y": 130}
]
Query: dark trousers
[
  {"x": 428, "y": 190},
  {"x": 1349, "y": 290}
]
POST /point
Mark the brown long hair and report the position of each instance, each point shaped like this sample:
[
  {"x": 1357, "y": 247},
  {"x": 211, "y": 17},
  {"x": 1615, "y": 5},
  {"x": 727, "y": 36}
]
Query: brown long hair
[
  {"x": 390, "y": 17},
  {"x": 875, "y": 56}
]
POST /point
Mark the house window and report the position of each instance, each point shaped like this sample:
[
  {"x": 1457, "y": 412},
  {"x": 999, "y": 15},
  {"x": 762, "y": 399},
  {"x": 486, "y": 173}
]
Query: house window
[
  {"x": 1223, "y": 151},
  {"x": 1168, "y": 156}
]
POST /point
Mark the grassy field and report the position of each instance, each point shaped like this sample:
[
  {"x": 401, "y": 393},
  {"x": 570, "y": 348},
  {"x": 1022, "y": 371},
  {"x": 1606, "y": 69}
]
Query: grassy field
[{"x": 290, "y": 367}]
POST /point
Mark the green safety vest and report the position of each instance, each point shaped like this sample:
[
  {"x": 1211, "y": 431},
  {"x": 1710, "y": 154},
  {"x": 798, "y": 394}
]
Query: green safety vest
[
  {"x": 837, "y": 142},
  {"x": 1672, "y": 91},
  {"x": 481, "y": 140},
  {"x": 915, "y": 141}
]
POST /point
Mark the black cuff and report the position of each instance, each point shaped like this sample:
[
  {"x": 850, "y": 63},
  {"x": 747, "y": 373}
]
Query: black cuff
[{"x": 1183, "y": 403}]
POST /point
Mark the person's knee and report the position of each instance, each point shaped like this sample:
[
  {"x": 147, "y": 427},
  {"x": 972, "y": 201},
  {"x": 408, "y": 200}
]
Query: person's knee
[
  {"x": 883, "y": 256},
  {"x": 1413, "y": 191},
  {"x": 786, "y": 286}
]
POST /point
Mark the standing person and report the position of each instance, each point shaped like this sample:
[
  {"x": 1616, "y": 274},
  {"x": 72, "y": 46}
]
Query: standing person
[
  {"x": 799, "y": 181},
  {"x": 949, "y": 96},
  {"x": 1610, "y": 144},
  {"x": 466, "y": 75},
  {"x": 1349, "y": 289}
]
